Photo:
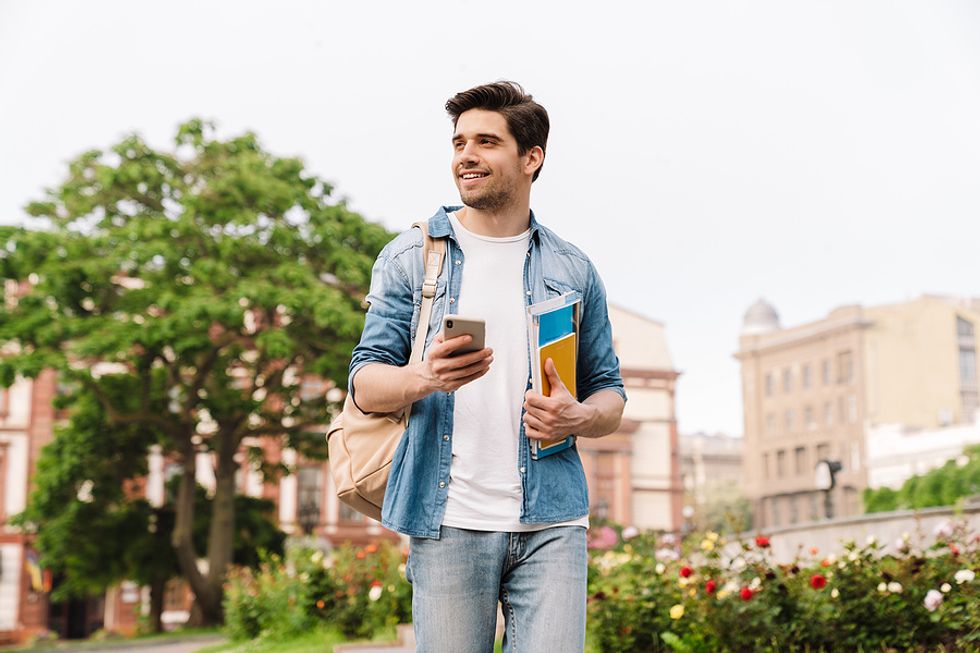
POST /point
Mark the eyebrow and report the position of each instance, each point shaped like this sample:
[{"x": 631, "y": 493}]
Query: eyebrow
[{"x": 495, "y": 137}]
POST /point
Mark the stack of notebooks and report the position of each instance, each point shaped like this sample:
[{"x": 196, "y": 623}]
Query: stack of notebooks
[{"x": 553, "y": 328}]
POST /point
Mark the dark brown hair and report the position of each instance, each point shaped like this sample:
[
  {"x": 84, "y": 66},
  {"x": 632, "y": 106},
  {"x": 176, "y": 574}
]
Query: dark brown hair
[{"x": 526, "y": 119}]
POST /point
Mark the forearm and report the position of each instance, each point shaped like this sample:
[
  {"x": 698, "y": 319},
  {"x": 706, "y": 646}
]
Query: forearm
[
  {"x": 380, "y": 388},
  {"x": 604, "y": 412}
]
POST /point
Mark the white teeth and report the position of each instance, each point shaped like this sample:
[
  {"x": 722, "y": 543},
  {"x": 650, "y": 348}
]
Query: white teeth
[{"x": 473, "y": 175}]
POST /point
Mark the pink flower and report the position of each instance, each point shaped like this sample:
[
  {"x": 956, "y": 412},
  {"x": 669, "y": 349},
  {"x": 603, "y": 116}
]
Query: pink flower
[
  {"x": 603, "y": 538},
  {"x": 944, "y": 529},
  {"x": 933, "y": 600}
]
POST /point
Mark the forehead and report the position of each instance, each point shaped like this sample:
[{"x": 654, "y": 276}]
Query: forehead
[{"x": 481, "y": 121}]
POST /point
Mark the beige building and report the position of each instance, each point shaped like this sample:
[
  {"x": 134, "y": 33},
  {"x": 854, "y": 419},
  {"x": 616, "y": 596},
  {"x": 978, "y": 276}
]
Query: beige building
[
  {"x": 634, "y": 474},
  {"x": 813, "y": 391},
  {"x": 711, "y": 474}
]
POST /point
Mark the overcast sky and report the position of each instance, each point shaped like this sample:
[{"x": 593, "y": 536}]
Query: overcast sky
[{"x": 704, "y": 154}]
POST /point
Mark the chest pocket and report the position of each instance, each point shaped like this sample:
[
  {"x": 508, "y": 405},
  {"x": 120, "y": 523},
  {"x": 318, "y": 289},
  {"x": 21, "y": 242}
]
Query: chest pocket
[{"x": 555, "y": 288}]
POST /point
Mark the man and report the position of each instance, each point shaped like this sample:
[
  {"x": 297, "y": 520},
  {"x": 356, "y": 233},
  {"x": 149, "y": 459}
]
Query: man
[{"x": 487, "y": 522}]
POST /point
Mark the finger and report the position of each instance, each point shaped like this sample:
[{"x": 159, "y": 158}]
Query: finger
[
  {"x": 535, "y": 434},
  {"x": 534, "y": 422},
  {"x": 456, "y": 373},
  {"x": 556, "y": 383},
  {"x": 469, "y": 379},
  {"x": 536, "y": 400}
]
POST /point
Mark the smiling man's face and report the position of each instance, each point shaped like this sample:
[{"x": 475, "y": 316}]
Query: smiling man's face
[{"x": 487, "y": 167}]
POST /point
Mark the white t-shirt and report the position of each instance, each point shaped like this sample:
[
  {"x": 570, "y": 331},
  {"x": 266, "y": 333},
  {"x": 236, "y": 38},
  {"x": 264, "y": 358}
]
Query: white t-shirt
[{"x": 485, "y": 483}]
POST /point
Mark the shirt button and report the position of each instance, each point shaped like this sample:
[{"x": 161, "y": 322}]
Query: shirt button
[
  {"x": 458, "y": 262},
  {"x": 528, "y": 293},
  {"x": 452, "y": 300},
  {"x": 522, "y": 470},
  {"x": 442, "y": 484},
  {"x": 446, "y": 438}
]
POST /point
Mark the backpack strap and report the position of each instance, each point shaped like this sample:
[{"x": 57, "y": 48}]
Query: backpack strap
[{"x": 433, "y": 253}]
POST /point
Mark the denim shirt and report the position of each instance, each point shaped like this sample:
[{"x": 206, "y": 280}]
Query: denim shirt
[{"x": 554, "y": 487}]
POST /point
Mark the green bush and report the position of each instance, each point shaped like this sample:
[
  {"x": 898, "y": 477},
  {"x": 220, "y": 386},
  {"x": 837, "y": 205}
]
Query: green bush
[
  {"x": 361, "y": 591},
  {"x": 710, "y": 595}
]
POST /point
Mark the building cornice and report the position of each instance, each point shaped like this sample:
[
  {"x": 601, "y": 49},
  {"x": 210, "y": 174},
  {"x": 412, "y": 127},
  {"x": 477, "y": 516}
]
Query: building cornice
[{"x": 752, "y": 345}]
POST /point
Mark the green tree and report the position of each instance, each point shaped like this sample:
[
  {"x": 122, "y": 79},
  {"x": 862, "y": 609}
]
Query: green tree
[
  {"x": 207, "y": 281},
  {"x": 943, "y": 486},
  {"x": 94, "y": 531}
]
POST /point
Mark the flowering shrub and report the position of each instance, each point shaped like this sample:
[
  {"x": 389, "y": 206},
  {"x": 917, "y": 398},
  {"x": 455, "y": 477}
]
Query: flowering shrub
[
  {"x": 713, "y": 595},
  {"x": 362, "y": 591}
]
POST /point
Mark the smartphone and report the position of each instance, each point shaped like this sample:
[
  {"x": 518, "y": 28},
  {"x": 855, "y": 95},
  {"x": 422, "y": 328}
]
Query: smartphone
[{"x": 457, "y": 325}]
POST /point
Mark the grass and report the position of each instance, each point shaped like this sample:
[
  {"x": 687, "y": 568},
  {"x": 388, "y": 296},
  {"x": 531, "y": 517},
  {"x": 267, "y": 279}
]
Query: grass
[
  {"x": 83, "y": 644},
  {"x": 318, "y": 640}
]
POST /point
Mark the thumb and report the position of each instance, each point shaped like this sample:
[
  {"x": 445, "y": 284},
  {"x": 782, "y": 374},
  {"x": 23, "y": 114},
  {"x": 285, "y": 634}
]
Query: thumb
[{"x": 553, "y": 378}]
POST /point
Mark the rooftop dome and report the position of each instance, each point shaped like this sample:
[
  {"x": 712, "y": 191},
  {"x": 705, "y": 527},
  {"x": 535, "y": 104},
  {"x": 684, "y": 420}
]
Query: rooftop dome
[{"x": 760, "y": 318}]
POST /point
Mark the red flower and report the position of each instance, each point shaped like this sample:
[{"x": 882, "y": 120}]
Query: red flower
[
  {"x": 376, "y": 583},
  {"x": 818, "y": 581},
  {"x": 813, "y": 550},
  {"x": 762, "y": 541},
  {"x": 954, "y": 550},
  {"x": 710, "y": 587},
  {"x": 746, "y": 594},
  {"x": 686, "y": 571},
  {"x": 825, "y": 562},
  {"x": 359, "y": 555}
]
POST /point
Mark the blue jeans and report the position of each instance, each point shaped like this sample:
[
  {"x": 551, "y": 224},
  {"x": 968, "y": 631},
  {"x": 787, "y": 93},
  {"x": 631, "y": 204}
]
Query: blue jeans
[{"x": 538, "y": 577}]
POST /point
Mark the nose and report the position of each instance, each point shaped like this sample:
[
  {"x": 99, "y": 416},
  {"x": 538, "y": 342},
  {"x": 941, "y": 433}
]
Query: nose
[{"x": 467, "y": 155}]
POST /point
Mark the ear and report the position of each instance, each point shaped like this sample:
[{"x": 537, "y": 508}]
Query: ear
[{"x": 533, "y": 160}]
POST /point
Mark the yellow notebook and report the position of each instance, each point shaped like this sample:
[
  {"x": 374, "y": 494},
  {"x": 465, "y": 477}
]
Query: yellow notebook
[{"x": 562, "y": 353}]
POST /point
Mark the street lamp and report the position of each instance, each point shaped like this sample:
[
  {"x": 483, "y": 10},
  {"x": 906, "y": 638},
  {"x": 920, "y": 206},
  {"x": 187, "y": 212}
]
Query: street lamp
[
  {"x": 309, "y": 516},
  {"x": 824, "y": 479}
]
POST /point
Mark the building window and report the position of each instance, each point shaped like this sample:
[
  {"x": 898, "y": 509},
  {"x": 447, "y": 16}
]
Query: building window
[
  {"x": 969, "y": 396},
  {"x": 814, "y": 515},
  {"x": 788, "y": 419},
  {"x": 310, "y": 506},
  {"x": 841, "y": 410},
  {"x": 807, "y": 377},
  {"x": 845, "y": 367},
  {"x": 968, "y": 367},
  {"x": 765, "y": 465},
  {"x": 794, "y": 513},
  {"x": 771, "y": 424},
  {"x": 828, "y": 413},
  {"x": 799, "y": 455},
  {"x": 852, "y": 409},
  {"x": 770, "y": 384},
  {"x": 775, "y": 511},
  {"x": 825, "y": 372},
  {"x": 780, "y": 463},
  {"x": 787, "y": 380},
  {"x": 808, "y": 417},
  {"x": 3, "y": 480},
  {"x": 964, "y": 328},
  {"x": 823, "y": 451}
]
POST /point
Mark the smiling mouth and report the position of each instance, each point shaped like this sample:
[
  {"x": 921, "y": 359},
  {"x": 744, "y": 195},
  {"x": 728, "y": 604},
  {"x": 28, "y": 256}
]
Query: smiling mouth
[{"x": 473, "y": 175}]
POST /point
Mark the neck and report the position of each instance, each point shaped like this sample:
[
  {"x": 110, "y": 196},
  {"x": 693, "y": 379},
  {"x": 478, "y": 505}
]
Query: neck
[{"x": 511, "y": 220}]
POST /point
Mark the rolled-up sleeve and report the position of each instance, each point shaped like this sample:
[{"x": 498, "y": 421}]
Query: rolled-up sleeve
[
  {"x": 598, "y": 364},
  {"x": 386, "y": 337}
]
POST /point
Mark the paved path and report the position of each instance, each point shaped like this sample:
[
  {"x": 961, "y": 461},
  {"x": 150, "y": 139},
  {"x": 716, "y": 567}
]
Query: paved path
[{"x": 188, "y": 645}]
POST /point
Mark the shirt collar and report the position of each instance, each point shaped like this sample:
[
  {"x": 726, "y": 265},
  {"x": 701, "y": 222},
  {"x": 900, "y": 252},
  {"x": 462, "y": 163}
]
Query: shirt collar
[{"x": 439, "y": 226}]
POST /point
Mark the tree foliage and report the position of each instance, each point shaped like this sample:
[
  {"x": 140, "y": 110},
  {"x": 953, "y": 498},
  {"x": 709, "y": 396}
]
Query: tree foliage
[
  {"x": 189, "y": 292},
  {"x": 943, "y": 486}
]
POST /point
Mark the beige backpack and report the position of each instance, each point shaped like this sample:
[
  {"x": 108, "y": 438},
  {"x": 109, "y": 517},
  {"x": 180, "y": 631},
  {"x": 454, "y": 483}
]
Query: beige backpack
[{"x": 362, "y": 445}]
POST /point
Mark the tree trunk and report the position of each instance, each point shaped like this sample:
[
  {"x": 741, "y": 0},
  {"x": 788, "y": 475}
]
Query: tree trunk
[
  {"x": 207, "y": 595},
  {"x": 157, "y": 589},
  {"x": 221, "y": 533}
]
